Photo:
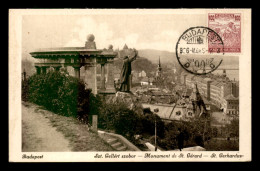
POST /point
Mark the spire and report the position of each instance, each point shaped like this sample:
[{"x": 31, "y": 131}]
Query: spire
[
  {"x": 159, "y": 69},
  {"x": 125, "y": 47},
  {"x": 159, "y": 65}
]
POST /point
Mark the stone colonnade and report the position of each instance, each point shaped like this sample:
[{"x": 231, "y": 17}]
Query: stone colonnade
[
  {"x": 43, "y": 69},
  {"x": 90, "y": 73}
]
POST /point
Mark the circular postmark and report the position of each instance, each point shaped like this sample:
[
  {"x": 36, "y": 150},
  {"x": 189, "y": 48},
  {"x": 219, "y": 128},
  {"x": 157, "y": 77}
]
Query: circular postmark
[{"x": 200, "y": 50}]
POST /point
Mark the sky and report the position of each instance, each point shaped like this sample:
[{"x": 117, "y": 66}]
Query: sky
[{"x": 140, "y": 31}]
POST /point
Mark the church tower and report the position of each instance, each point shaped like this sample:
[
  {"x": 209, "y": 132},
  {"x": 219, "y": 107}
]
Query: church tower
[
  {"x": 199, "y": 107},
  {"x": 159, "y": 69},
  {"x": 125, "y": 47}
]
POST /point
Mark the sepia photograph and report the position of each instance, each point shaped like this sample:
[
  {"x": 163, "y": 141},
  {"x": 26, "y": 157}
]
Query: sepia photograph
[{"x": 130, "y": 85}]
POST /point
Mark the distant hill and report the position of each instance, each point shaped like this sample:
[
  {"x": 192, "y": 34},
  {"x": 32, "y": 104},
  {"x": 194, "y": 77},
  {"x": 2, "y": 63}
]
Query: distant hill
[
  {"x": 153, "y": 55},
  {"x": 170, "y": 57}
]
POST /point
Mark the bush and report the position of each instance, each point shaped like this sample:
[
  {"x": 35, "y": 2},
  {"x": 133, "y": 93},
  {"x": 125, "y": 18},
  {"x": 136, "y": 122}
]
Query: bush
[
  {"x": 169, "y": 141},
  {"x": 148, "y": 124},
  {"x": 61, "y": 94},
  {"x": 118, "y": 117},
  {"x": 193, "y": 134}
]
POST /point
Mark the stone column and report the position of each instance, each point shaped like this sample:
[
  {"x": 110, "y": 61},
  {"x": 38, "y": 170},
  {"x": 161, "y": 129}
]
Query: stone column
[
  {"x": 91, "y": 77},
  {"x": 44, "y": 69},
  {"x": 38, "y": 69},
  {"x": 77, "y": 71},
  {"x": 94, "y": 123},
  {"x": 103, "y": 87}
]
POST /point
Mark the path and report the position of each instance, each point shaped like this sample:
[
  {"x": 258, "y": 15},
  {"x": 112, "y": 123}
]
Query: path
[{"x": 38, "y": 134}]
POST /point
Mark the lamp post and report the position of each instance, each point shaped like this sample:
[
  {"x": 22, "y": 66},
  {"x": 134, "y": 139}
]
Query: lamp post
[
  {"x": 155, "y": 132},
  {"x": 155, "y": 129}
]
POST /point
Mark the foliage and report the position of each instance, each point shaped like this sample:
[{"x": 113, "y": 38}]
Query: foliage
[
  {"x": 115, "y": 115},
  {"x": 195, "y": 133},
  {"x": 148, "y": 124},
  {"x": 233, "y": 128},
  {"x": 61, "y": 94},
  {"x": 222, "y": 145},
  {"x": 169, "y": 141}
]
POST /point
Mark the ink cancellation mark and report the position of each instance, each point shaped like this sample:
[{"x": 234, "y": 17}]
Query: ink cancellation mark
[{"x": 200, "y": 50}]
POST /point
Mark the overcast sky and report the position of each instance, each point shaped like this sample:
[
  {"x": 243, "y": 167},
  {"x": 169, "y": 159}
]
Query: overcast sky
[{"x": 156, "y": 31}]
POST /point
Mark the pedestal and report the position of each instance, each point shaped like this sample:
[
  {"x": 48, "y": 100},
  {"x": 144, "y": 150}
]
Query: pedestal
[
  {"x": 131, "y": 100},
  {"x": 91, "y": 78},
  {"x": 94, "y": 123},
  {"x": 77, "y": 71},
  {"x": 110, "y": 79}
]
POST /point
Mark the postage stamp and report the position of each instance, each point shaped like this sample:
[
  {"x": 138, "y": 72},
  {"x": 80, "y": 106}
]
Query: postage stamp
[
  {"x": 129, "y": 85},
  {"x": 228, "y": 26}
]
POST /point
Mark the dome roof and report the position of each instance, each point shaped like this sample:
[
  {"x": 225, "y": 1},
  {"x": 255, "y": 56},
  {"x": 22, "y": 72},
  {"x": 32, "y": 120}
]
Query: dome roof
[
  {"x": 90, "y": 38},
  {"x": 110, "y": 46}
]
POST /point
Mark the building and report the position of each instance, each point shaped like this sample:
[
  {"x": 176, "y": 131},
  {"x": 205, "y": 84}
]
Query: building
[
  {"x": 159, "y": 69},
  {"x": 142, "y": 74},
  {"x": 151, "y": 81},
  {"x": 125, "y": 52},
  {"x": 183, "y": 78},
  {"x": 215, "y": 93},
  {"x": 214, "y": 88},
  {"x": 187, "y": 93},
  {"x": 187, "y": 108},
  {"x": 189, "y": 80},
  {"x": 231, "y": 105},
  {"x": 144, "y": 81},
  {"x": 205, "y": 88},
  {"x": 81, "y": 62}
]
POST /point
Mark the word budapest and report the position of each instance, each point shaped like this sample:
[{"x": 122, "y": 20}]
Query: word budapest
[
  {"x": 32, "y": 157},
  {"x": 191, "y": 34},
  {"x": 199, "y": 50}
]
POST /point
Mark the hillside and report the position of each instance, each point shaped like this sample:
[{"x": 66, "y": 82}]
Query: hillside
[
  {"x": 170, "y": 57},
  {"x": 153, "y": 55},
  {"x": 147, "y": 61}
]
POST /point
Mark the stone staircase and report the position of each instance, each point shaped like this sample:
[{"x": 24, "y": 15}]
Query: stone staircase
[{"x": 115, "y": 144}]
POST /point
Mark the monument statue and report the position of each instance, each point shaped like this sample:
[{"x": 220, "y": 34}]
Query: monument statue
[{"x": 125, "y": 79}]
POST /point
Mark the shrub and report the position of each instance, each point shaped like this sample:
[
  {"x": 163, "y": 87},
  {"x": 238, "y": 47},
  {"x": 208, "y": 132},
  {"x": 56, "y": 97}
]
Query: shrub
[
  {"x": 148, "y": 124},
  {"x": 62, "y": 94},
  {"x": 169, "y": 141},
  {"x": 118, "y": 117}
]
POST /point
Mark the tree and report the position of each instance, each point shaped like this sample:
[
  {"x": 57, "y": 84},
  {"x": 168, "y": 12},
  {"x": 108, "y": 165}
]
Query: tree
[{"x": 233, "y": 128}]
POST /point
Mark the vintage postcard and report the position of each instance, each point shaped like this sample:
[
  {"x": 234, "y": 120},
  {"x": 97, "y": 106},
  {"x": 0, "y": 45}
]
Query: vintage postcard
[{"x": 129, "y": 85}]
